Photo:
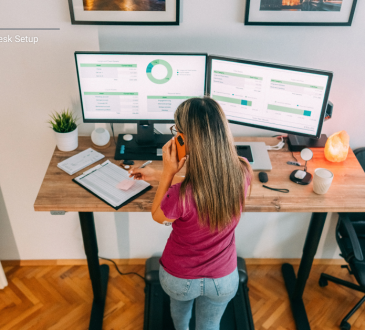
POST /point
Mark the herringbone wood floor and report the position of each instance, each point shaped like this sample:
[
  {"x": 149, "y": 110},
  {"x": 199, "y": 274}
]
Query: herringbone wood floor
[{"x": 60, "y": 297}]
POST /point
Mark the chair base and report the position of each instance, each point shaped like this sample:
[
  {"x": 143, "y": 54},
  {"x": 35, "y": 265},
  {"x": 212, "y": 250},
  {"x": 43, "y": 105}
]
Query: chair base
[{"x": 323, "y": 281}]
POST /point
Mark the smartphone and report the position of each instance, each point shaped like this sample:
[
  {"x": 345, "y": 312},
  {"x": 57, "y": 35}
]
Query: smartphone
[{"x": 180, "y": 145}]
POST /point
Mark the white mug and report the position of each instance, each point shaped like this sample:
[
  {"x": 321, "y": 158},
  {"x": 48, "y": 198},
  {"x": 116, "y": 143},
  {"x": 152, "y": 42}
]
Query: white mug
[{"x": 322, "y": 180}]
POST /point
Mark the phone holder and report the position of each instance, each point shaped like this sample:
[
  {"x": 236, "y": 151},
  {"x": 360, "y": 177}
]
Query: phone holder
[{"x": 299, "y": 176}]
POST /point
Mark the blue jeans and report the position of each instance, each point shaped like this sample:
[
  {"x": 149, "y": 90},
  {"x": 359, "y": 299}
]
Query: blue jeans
[{"x": 212, "y": 297}]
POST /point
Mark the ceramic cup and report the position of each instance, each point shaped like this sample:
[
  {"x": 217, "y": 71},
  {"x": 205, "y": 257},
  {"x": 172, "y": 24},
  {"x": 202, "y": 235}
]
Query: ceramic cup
[{"x": 322, "y": 180}]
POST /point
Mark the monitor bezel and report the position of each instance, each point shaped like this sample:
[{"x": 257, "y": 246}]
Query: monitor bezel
[
  {"x": 126, "y": 121},
  {"x": 329, "y": 74}
]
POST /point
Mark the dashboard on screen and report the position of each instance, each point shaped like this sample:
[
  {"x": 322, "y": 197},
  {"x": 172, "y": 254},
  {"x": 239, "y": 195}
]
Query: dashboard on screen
[
  {"x": 270, "y": 96},
  {"x": 116, "y": 87}
]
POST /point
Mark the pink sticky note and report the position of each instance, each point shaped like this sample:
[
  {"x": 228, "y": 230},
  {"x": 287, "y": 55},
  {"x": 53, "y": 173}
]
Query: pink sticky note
[{"x": 125, "y": 184}]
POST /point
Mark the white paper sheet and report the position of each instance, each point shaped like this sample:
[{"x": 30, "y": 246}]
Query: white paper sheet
[
  {"x": 103, "y": 179},
  {"x": 81, "y": 160}
]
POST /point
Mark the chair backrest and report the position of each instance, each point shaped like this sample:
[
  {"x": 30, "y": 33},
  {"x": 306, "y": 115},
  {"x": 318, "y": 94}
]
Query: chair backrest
[
  {"x": 360, "y": 155},
  {"x": 358, "y": 223}
]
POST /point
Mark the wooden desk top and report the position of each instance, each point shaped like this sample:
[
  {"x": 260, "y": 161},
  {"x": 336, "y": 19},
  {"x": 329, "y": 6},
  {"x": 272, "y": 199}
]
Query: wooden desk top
[{"x": 347, "y": 192}]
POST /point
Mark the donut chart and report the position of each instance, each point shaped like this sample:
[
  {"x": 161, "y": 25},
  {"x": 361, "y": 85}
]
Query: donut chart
[{"x": 159, "y": 62}]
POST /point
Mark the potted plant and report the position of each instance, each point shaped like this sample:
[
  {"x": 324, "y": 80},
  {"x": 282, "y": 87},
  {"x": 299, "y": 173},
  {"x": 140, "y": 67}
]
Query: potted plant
[{"x": 64, "y": 125}]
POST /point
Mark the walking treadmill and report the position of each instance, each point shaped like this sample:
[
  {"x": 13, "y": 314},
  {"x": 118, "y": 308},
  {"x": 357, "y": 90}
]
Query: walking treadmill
[{"x": 157, "y": 303}]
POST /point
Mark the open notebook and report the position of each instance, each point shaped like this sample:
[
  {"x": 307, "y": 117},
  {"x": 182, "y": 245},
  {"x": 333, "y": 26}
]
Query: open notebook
[{"x": 102, "y": 180}]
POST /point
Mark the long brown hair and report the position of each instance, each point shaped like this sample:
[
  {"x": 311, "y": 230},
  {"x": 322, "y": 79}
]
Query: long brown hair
[{"x": 215, "y": 173}]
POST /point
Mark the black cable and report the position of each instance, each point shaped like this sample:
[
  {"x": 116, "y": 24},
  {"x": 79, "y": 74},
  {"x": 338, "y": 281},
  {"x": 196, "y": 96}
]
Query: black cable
[
  {"x": 292, "y": 153},
  {"x": 112, "y": 127},
  {"x": 120, "y": 271},
  {"x": 285, "y": 191}
]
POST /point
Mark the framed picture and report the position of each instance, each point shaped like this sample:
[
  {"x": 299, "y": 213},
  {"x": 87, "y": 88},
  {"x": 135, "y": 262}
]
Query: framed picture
[
  {"x": 300, "y": 12},
  {"x": 125, "y": 12}
]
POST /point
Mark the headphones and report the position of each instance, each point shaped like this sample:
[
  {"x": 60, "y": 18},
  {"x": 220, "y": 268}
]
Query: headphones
[{"x": 279, "y": 146}]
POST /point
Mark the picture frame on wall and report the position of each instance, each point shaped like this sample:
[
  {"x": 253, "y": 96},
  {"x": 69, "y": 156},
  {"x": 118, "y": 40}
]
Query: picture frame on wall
[
  {"x": 300, "y": 12},
  {"x": 125, "y": 12}
]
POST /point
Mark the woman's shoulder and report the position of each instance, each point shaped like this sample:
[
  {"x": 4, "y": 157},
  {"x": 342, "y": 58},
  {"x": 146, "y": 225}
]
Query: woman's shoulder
[
  {"x": 175, "y": 188},
  {"x": 173, "y": 193}
]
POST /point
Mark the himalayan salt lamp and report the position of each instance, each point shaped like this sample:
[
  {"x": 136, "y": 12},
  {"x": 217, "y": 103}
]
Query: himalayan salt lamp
[{"x": 337, "y": 147}]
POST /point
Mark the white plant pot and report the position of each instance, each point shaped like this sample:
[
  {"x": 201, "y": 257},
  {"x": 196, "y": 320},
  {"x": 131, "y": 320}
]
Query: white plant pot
[{"x": 67, "y": 141}]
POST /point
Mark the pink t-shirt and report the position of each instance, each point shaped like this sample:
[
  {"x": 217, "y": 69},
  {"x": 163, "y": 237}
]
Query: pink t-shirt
[{"x": 192, "y": 251}]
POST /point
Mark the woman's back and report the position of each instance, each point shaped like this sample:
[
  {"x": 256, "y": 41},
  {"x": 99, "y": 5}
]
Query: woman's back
[{"x": 193, "y": 251}]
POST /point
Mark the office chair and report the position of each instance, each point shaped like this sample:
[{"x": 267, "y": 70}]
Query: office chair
[{"x": 350, "y": 236}]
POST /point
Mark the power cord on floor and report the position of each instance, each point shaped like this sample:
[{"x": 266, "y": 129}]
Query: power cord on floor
[{"x": 120, "y": 271}]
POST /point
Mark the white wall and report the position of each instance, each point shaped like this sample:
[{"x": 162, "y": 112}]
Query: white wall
[{"x": 36, "y": 79}]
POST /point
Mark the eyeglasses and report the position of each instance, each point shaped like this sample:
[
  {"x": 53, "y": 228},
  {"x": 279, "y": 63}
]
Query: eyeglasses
[{"x": 173, "y": 130}]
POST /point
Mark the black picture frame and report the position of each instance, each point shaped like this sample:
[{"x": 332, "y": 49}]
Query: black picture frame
[
  {"x": 74, "y": 21},
  {"x": 348, "y": 23},
  {"x": 328, "y": 74}
]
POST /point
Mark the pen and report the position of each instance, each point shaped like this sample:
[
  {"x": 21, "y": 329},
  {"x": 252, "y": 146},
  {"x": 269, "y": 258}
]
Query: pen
[{"x": 145, "y": 164}]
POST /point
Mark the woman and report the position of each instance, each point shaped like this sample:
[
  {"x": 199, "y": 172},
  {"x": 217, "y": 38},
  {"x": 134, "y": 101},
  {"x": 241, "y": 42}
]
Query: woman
[{"x": 204, "y": 207}]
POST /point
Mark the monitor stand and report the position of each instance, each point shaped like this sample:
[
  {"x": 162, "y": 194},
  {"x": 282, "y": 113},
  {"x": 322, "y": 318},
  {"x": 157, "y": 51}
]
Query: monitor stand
[
  {"x": 298, "y": 143},
  {"x": 145, "y": 145}
]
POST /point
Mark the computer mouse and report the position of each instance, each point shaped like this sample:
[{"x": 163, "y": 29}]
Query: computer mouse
[
  {"x": 263, "y": 177},
  {"x": 127, "y": 137}
]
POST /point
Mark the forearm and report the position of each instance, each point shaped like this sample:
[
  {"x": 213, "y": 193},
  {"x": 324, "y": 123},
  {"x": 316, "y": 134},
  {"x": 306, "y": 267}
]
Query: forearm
[
  {"x": 176, "y": 179},
  {"x": 164, "y": 185},
  {"x": 171, "y": 166}
]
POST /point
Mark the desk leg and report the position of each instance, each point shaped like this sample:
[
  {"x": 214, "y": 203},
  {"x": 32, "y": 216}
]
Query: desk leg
[
  {"x": 295, "y": 285},
  {"x": 98, "y": 274}
]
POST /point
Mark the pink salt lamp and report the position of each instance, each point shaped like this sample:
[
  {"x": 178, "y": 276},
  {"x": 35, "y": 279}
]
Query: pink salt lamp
[{"x": 337, "y": 147}]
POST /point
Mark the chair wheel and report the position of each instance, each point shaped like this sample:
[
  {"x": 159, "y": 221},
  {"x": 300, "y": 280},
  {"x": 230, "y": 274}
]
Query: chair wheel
[
  {"x": 345, "y": 325},
  {"x": 322, "y": 282}
]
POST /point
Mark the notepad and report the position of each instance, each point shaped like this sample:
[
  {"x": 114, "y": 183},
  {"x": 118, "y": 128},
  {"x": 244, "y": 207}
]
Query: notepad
[
  {"x": 102, "y": 181},
  {"x": 80, "y": 161}
]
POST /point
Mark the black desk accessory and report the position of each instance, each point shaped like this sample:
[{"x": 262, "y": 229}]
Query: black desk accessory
[
  {"x": 293, "y": 163},
  {"x": 263, "y": 177},
  {"x": 285, "y": 191},
  {"x": 306, "y": 155},
  {"x": 298, "y": 143},
  {"x": 143, "y": 146},
  {"x": 245, "y": 151}
]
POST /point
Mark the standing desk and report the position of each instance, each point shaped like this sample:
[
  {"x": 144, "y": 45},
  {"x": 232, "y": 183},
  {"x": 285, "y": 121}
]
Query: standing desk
[{"x": 347, "y": 194}]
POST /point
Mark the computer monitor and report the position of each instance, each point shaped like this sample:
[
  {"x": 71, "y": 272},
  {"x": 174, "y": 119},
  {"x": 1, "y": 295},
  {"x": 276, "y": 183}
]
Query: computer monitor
[
  {"x": 270, "y": 96},
  {"x": 130, "y": 87}
]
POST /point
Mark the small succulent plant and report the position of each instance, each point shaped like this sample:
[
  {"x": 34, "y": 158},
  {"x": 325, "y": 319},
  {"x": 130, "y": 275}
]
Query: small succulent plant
[{"x": 63, "y": 122}]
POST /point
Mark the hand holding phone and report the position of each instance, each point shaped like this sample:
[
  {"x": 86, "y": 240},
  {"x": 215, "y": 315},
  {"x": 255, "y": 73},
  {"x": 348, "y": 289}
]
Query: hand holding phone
[{"x": 171, "y": 164}]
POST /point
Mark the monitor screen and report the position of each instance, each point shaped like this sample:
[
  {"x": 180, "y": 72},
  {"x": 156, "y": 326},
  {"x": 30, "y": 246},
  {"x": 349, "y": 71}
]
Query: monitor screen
[
  {"x": 270, "y": 96},
  {"x": 126, "y": 87}
]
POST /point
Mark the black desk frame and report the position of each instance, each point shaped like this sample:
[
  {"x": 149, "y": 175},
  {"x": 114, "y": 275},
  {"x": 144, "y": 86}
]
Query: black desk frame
[
  {"x": 295, "y": 284},
  {"x": 98, "y": 273}
]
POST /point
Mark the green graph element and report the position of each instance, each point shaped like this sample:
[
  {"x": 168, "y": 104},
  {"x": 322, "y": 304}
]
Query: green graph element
[
  {"x": 290, "y": 110},
  {"x": 155, "y": 80}
]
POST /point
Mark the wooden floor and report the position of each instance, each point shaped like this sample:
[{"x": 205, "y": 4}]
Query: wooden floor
[{"x": 59, "y": 297}]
